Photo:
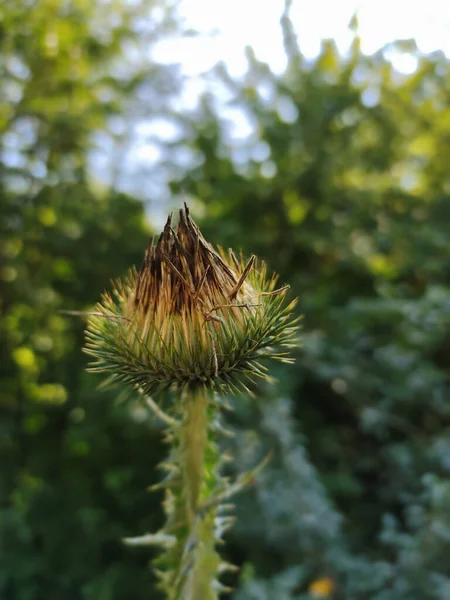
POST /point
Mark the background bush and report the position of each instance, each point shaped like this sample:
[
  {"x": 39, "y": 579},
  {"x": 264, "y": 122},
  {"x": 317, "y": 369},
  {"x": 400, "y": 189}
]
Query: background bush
[{"x": 343, "y": 187}]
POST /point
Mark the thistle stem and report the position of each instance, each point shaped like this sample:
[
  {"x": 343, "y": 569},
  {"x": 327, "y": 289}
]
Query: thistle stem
[
  {"x": 191, "y": 565},
  {"x": 193, "y": 440}
]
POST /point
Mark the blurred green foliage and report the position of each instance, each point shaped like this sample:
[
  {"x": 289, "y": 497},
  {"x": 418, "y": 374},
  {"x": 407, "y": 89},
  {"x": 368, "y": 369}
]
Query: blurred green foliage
[
  {"x": 343, "y": 186},
  {"x": 73, "y": 462}
]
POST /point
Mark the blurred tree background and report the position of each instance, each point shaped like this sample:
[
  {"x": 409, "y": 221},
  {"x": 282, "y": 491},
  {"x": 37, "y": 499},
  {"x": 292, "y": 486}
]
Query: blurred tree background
[{"x": 343, "y": 187}]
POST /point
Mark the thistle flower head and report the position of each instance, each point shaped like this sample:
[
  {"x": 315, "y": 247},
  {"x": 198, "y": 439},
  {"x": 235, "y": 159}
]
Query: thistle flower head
[{"x": 192, "y": 315}]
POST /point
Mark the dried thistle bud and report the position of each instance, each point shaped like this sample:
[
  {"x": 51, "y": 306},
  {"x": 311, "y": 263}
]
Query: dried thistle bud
[{"x": 192, "y": 315}]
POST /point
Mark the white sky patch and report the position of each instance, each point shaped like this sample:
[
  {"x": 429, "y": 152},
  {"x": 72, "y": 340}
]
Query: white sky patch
[{"x": 226, "y": 28}]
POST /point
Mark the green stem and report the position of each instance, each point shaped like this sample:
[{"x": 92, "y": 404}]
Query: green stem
[
  {"x": 193, "y": 444},
  {"x": 190, "y": 566}
]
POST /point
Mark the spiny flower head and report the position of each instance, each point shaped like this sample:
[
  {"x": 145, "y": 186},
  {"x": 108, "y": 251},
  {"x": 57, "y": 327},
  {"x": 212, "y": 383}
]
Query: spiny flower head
[{"x": 191, "y": 316}]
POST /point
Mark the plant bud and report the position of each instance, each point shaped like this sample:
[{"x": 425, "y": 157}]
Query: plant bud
[{"x": 191, "y": 316}]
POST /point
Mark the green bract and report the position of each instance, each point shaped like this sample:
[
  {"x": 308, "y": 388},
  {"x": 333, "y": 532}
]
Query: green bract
[{"x": 192, "y": 315}]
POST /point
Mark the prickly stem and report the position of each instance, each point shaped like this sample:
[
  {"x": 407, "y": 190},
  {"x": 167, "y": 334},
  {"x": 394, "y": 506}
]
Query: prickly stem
[{"x": 188, "y": 569}]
